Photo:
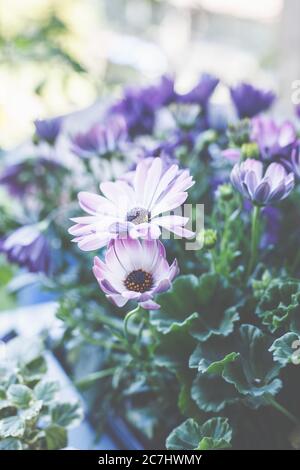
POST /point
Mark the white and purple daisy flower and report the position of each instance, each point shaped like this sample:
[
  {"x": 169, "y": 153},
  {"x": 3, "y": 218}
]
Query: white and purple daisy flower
[
  {"x": 261, "y": 187},
  {"x": 134, "y": 210},
  {"x": 134, "y": 270}
]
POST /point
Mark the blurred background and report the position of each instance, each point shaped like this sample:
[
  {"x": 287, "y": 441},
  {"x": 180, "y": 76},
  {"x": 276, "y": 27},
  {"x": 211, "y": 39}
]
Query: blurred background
[{"x": 57, "y": 56}]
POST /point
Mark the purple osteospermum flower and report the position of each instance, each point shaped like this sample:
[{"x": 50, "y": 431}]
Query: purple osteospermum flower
[
  {"x": 134, "y": 270},
  {"x": 262, "y": 188},
  {"x": 100, "y": 140},
  {"x": 293, "y": 163},
  {"x": 28, "y": 247},
  {"x": 274, "y": 141},
  {"x": 201, "y": 93},
  {"x": 250, "y": 101},
  {"x": 138, "y": 106},
  {"x": 134, "y": 210},
  {"x": 48, "y": 129}
]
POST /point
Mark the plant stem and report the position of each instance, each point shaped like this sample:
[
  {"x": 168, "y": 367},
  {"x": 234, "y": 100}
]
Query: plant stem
[
  {"x": 91, "y": 378},
  {"x": 271, "y": 400},
  {"x": 126, "y": 320},
  {"x": 254, "y": 239}
]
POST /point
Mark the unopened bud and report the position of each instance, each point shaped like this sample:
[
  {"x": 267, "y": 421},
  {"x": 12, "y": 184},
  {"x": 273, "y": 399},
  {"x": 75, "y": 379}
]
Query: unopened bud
[
  {"x": 210, "y": 238},
  {"x": 225, "y": 192},
  {"x": 250, "y": 150}
]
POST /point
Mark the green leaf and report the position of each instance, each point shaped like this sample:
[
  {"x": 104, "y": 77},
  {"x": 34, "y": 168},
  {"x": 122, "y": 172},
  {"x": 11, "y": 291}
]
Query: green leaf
[
  {"x": 19, "y": 395},
  {"x": 279, "y": 303},
  {"x": 213, "y": 355},
  {"x": 34, "y": 370},
  {"x": 254, "y": 372},
  {"x": 213, "y": 393},
  {"x": 30, "y": 414},
  {"x": 56, "y": 437},
  {"x": 66, "y": 414},
  {"x": 286, "y": 350},
  {"x": 213, "y": 434},
  {"x": 201, "y": 305},
  {"x": 46, "y": 391},
  {"x": 168, "y": 354},
  {"x": 177, "y": 307},
  {"x": 10, "y": 443},
  {"x": 13, "y": 426}
]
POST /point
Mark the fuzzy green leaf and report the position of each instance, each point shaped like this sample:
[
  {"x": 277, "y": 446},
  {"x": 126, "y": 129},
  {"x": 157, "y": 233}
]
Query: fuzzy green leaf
[
  {"x": 66, "y": 414},
  {"x": 56, "y": 437},
  {"x": 201, "y": 305},
  {"x": 213, "y": 355},
  {"x": 19, "y": 395},
  {"x": 279, "y": 303},
  {"x": 10, "y": 443},
  {"x": 167, "y": 352},
  {"x": 13, "y": 426},
  {"x": 213, "y": 393},
  {"x": 286, "y": 350},
  {"x": 46, "y": 391},
  {"x": 213, "y": 434},
  {"x": 254, "y": 372}
]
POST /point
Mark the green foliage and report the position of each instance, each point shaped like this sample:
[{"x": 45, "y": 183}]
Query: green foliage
[
  {"x": 279, "y": 304},
  {"x": 30, "y": 416},
  {"x": 211, "y": 435},
  {"x": 286, "y": 349},
  {"x": 203, "y": 306}
]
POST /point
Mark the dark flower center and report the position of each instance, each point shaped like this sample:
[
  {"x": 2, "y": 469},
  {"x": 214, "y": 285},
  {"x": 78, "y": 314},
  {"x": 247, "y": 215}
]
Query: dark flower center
[
  {"x": 138, "y": 215},
  {"x": 139, "y": 281}
]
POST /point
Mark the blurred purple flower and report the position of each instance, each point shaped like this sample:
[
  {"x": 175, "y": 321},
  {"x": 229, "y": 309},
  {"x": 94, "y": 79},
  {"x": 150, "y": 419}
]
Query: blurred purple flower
[
  {"x": 21, "y": 177},
  {"x": 270, "y": 235},
  {"x": 233, "y": 155},
  {"x": 274, "y": 141},
  {"x": 297, "y": 110},
  {"x": 100, "y": 140},
  {"x": 135, "y": 270},
  {"x": 138, "y": 106},
  {"x": 28, "y": 247},
  {"x": 201, "y": 93},
  {"x": 134, "y": 210},
  {"x": 250, "y": 101},
  {"x": 262, "y": 188},
  {"x": 48, "y": 129},
  {"x": 293, "y": 163}
]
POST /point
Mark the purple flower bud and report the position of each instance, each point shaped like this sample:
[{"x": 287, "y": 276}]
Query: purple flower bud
[
  {"x": 48, "y": 129},
  {"x": 261, "y": 187}
]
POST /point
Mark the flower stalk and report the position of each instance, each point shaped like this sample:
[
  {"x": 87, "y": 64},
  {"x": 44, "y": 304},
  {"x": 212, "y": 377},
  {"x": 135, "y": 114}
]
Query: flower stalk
[{"x": 254, "y": 238}]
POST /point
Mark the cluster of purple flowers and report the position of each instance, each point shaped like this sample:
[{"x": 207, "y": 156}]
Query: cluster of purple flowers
[
  {"x": 128, "y": 218},
  {"x": 129, "y": 215}
]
